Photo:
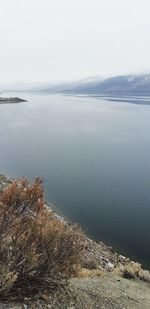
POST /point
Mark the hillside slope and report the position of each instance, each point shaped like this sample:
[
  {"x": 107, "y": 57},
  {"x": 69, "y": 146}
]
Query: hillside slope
[
  {"x": 119, "y": 85},
  {"x": 106, "y": 292},
  {"x": 104, "y": 279}
]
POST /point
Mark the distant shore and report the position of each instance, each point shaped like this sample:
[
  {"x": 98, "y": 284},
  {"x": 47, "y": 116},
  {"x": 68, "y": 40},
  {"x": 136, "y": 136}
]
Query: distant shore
[{"x": 8, "y": 100}]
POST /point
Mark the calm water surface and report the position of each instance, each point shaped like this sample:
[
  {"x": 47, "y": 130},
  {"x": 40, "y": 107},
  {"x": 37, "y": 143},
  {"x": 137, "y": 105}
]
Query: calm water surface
[{"x": 94, "y": 156}]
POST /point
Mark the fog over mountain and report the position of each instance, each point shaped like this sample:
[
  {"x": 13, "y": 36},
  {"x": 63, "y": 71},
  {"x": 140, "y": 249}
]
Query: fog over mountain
[{"x": 117, "y": 85}]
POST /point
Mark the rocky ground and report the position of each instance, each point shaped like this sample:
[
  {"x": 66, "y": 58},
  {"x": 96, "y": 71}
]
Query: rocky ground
[
  {"x": 108, "y": 291},
  {"x": 105, "y": 280}
]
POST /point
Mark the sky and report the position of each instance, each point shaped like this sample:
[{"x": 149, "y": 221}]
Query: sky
[{"x": 65, "y": 40}]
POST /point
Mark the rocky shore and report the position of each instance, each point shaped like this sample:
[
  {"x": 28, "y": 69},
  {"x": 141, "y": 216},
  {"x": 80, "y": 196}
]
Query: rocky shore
[
  {"x": 7, "y": 100},
  {"x": 106, "y": 279}
]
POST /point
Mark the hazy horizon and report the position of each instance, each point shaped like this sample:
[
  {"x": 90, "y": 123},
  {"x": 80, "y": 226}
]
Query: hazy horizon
[
  {"x": 72, "y": 80},
  {"x": 59, "y": 41}
]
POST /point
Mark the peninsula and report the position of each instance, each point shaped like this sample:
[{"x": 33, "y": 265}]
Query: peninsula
[{"x": 7, "y": 100}]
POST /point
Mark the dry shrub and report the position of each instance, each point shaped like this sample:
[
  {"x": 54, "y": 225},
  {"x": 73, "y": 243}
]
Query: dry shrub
[
  {"x": 38, "y": 251},
  {"x": 90, "y": 263},
  {"x": 130, "y": 270},
  {"x": 90, "y": 273}
]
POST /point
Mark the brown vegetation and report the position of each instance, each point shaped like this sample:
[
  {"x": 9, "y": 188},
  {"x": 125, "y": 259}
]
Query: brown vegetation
[{"x": 37, "y": 250}]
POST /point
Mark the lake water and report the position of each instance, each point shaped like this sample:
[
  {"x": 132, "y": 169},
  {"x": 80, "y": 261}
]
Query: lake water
[{"x": 94, "y": 155}]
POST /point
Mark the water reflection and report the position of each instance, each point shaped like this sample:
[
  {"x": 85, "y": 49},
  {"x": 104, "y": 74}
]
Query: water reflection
[{"x": 94, "y": 157}]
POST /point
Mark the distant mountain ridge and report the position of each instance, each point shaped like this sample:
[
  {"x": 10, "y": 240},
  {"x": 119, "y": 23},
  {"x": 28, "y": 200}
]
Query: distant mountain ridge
[
  {"x": 72, "y": 86},
  {"x": 117, "y": 85}
]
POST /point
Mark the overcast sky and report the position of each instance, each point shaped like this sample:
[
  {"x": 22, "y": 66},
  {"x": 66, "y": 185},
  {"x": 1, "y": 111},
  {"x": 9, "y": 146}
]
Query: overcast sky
[{"x": 54, "y": 40}]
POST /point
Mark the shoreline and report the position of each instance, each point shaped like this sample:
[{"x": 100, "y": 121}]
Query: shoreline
[
  {"x": 9, "y": 100},
  {"x": 98, "y": 256}
]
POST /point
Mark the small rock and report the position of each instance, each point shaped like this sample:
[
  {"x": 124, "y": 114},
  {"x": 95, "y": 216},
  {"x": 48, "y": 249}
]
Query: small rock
[
  {"x": 45, "y": 297},
  {"x": 110, "y": 266},
  {"x": 144, "y": 275},
  {"x": 122, "y": 258}
]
